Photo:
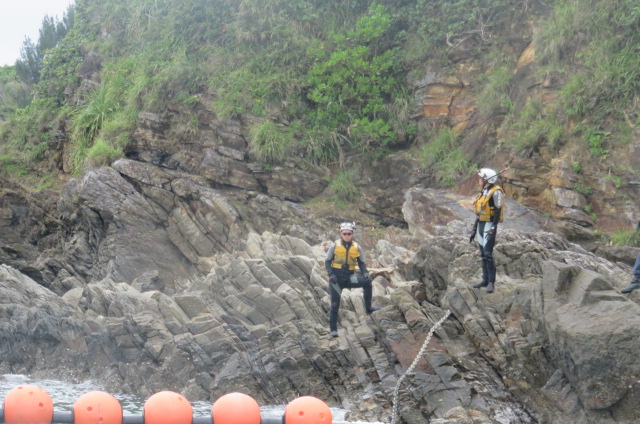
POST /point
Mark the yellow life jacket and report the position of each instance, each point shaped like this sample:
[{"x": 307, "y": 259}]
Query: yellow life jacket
[
  {"x": 342, "y": 257},
  {"x": 482, "y": 207}
]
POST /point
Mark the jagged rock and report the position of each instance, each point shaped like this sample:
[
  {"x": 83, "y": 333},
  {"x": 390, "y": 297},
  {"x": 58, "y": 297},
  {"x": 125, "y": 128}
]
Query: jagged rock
[
  {"x": 40, "y": 333},
  {"x": 159, "y": 280},
  {"x": 219, "y": 155},
  {"x": 426, "y": 210},
  {"x": 113, "y": 220},
  {"x": 580, "y": 309},
  {"x": 539, "y": 321},
  {"x": 28, "y": 226},
  {"x": 258, "y": 323},
  {"x": 180, "y": 220},
  {"x": 623, "y": 254},
  {"x": 459, "y": 415}
]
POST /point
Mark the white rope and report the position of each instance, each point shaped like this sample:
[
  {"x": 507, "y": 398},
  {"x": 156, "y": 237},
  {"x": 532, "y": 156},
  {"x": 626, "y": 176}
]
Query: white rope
[{"x": 394, "y": 414}]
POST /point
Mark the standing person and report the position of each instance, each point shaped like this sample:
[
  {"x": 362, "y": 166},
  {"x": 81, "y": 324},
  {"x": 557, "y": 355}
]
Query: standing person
[
  {"x": 489, "y": 208},
  {"x": 635, "y": 281},
  {"x": 343, "y": 256}
]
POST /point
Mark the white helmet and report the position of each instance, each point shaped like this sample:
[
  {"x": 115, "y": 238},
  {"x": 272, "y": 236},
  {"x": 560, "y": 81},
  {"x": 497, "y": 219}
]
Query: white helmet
[
  {"x": 351, "y": 226},
  {"x": 488, "y": 175}
]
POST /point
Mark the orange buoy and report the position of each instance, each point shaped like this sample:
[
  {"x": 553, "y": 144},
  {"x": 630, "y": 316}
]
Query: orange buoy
[
  {"x": 307, "y": 410},
  {"x": 167, "y": 408},
  {"x": 28, "y": 405},
  {"x": 97, "y": 408},
  {"x": 236, "y": 408}
]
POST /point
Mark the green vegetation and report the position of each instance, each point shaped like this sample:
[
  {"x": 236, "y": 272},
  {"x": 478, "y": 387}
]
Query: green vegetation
[
  {"x": 344, "y": 186},
  {"x": 333, "y": 70},
  {"x": 616, "y": 179},
  {"x": 32, "y": 56},
  {"x": 596, "y": 139},
  {"x": 583, "y": 189},
  {"x": 534, "y": 127},
  {"x": 494, "y": 97},
  {"x": 577, "y": 167},
  {"x": 14, "y": 93},
  {"x": 442, "y": 154},
  {"x": 625, "y": 238},
  {"x": 270, "y": 142},
  {"x": 453, "y": 21},
  {"x": 599, "y": 41},
  {"x": 322, "y": 79},
  {"x": 348, "y": 76}
]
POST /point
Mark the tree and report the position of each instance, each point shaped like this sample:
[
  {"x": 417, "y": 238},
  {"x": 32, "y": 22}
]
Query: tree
[{"x": 29, "y": 65}]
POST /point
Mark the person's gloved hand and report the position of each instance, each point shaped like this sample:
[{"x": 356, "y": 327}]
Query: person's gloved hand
[
  {"x": 491, "y": 232},
  {"x": 333, "y": 278},
  {"x": 472, "y": 237},
  {"x": 366, "y": 276}
]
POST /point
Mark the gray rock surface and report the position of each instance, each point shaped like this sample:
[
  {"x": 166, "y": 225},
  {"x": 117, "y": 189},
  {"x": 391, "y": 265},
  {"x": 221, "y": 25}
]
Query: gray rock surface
[
  {"x": 554, "y": 343},
  {"x": 196, "y": 271}
]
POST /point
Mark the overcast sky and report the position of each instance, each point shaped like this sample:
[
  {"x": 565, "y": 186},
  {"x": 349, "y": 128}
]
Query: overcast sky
[{"x": 23, "y": 18}]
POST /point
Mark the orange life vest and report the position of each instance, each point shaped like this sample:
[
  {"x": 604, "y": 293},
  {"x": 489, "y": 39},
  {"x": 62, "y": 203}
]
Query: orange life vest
[
  {"x": 341, "y": 256},
  {"x": 482, "y": 205}
]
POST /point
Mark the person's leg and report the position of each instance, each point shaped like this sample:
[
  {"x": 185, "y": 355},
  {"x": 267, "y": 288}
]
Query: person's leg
[
  {"x": 635, "y": 281},
  {"x": 335, "y": 306},
  {"x": 485, "y": 273},
  {"x": 368, "y": 295},
  {"x": 487, "y": 251},
  {"x": 481, "y": 240},
  {"x": 367, "y": 288}
]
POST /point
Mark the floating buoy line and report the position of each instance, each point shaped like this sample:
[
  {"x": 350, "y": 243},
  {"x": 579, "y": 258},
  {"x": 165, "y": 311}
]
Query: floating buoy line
[{"x": 31, "y": 404}]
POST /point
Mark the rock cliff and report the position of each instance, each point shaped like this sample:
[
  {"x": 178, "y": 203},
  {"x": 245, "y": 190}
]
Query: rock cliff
[
  {"x": 158, "y": 281},
  {"x": 188, "y": 266}
]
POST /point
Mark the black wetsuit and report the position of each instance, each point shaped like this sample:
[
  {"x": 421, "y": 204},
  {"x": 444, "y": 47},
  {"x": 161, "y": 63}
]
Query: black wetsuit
[{"x": 346, "y": 279}]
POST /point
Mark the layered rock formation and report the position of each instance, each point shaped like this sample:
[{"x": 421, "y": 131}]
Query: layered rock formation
[
  {"x": 187, "y": 266},
  {"x": 160, "y": 283}
]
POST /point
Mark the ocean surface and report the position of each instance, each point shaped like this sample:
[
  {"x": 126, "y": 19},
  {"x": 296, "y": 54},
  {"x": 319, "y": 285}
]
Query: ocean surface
[{"x": 64, "y": 395}]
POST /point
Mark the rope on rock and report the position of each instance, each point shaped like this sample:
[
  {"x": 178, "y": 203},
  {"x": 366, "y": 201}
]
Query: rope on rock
[{"x": 437, "y": 325}]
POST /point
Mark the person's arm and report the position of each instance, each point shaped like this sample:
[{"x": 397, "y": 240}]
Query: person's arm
[
  {"x": 329, "y": 259},
  {"x": 474, "y": 231},
  {"x": 362, "y": 263},
  {"x": 497, "y": 204}
]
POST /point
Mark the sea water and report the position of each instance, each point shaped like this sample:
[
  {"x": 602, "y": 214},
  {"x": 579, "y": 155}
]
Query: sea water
[{"x": 64, "y": 395}]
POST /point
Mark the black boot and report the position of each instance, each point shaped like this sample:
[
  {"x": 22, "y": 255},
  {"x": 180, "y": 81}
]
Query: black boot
[
  {"x": 368, "y": 294},
  {"x": 490, "y": 287},
  {"x": 635, "y": 284},
  {"x": 483, "y": 283}
]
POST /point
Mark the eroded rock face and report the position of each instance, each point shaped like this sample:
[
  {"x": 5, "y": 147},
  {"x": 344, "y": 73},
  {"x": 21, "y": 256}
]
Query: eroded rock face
[
  {"x": 582, "y": 314},
  {"x": 427, "y": 211},
  {"x": 554, "y": 343},
  {"x": 548, "y": 327},
  {"x": 134, "y": 217},
  {"x": 28, "y": 227},
  {"x": 218, "y": 152}
]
